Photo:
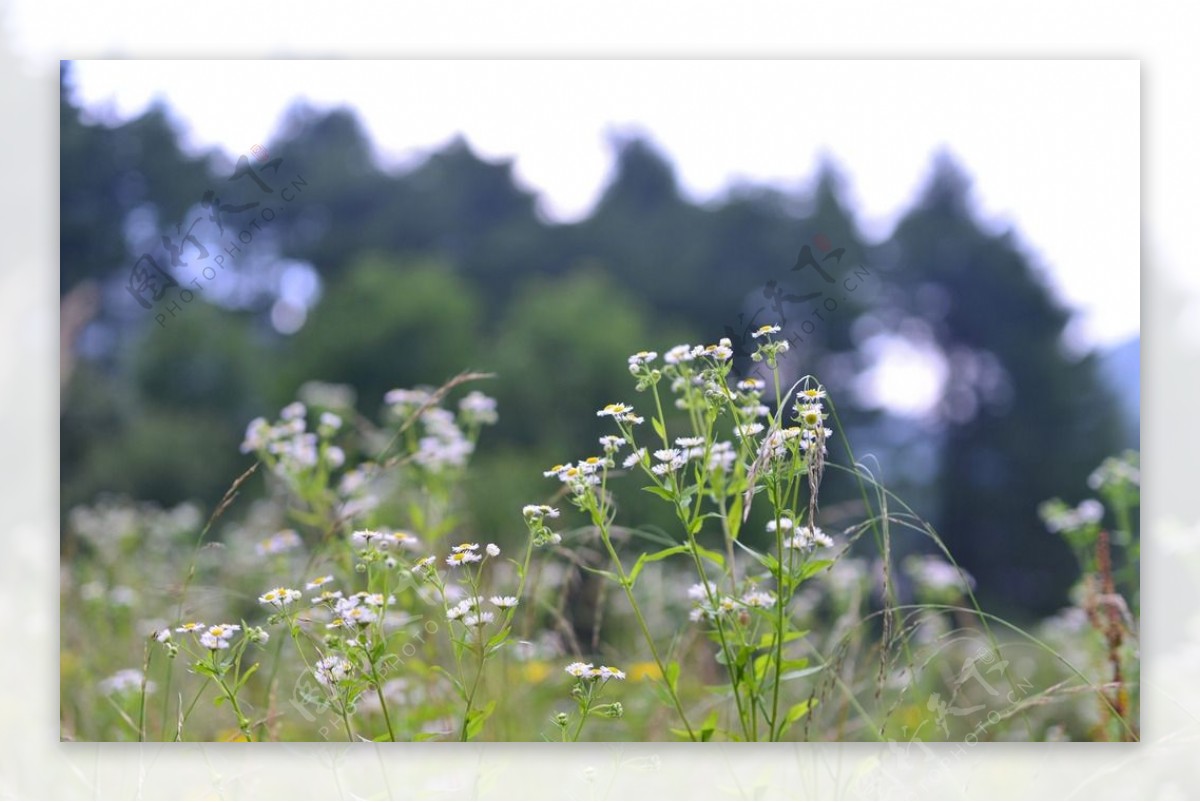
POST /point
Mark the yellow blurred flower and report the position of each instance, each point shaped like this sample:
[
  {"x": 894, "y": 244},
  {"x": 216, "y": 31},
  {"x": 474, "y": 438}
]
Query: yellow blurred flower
[{"x": 640, "y": 671}]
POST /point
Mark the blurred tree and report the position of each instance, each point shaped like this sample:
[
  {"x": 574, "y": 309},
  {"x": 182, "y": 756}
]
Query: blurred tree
[
  {"x": 108, "y": 171},
  {"x": 385, "y": 323},
  {"x": 1022, "y": 419}
]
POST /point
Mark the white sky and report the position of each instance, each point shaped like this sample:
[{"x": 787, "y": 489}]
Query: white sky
[{"x": 1053, "y": 146}]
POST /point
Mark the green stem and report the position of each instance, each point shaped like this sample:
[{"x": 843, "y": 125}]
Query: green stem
[
  {"x": 243, "y": 722},
  {"x": 637, "y": 611}
]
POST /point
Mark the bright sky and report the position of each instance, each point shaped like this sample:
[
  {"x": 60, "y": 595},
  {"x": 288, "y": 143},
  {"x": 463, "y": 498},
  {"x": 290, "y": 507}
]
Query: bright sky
[{"x": 1053, "y": 146}]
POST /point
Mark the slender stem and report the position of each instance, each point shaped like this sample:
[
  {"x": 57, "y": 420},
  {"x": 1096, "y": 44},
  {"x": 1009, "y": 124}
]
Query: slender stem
[
  {"x": 637, "y": 611},
  {"x": 474, "y": 687},
  {"x": 243, "y": 722},
  {"x": 583, "y": 714},
  {"x": 346, "y": 721},
  {"x": 382, "y": 702}
]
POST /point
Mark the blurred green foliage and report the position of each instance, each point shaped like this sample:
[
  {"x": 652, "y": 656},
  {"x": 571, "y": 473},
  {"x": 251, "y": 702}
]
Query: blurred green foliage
[{"x": 447, "y": 266}]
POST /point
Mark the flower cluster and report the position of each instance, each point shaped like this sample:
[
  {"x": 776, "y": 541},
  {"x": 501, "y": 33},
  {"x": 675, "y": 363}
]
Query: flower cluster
[
  {"x": 279, "y": 598},
  {"x": 127, "y": 680},
  {"x": 444, "y": 445},
  {"x": 709, "y": 603},
  {"x": 1116, "y": 471},
  {"x": 278, "y": 543},
  {"x": 535, "y": 518},
  {"x": 1059, "y": 517},
  {"x": 937, "y": 580},
  {"x": 582, "y": 670},
  {"x": 214, "y": 638},
  {"x": 287, "y": 445}
]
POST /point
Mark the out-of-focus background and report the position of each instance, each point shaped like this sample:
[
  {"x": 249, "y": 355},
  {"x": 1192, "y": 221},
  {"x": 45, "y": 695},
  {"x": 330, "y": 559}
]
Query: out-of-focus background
[{"x": 977, "y": 370}]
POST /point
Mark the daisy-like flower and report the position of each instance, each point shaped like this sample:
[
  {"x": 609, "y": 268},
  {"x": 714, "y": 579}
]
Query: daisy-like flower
[
  {"x": 611, "y": 443},
  {"x": 722, "y": 351},
  {"x": 465, "y": 547},
  {"x": 680, "y": 353},
  {"x": 327, "y": 597},
  {"x": 810, "y": 415},
  {"x": 318, "y": 582},
  {"x": 785, "y": 524},
  {"x": 751, "y": 385},
  {"x": 478, "y": 408},
  {"x": 359, "y": 615},
  {"x": 278, "y": 543},
  {"x": 163, "y": 635},
  {"x": 763, "y": 331},
  {"x": 332, "y": 670},
  {"x": 666, "y": 454},
  {"x": 759, "y": 598},
  {"x": 279, "y": 597},
  {"x": 539, "y": 511},
  {"x": 425, "y": 563},
  {"x": 641, "y": 359},
  {"x": 634, "y": 458},
  {"x": 749, "y": 430},
  {"x": 462, "y": 558},
  {"x": 607, "y": 672},
  {"x": 293, "y": 411},
  {"x": 492, "y": 550},
  {"x": 258, "y": 432},
  {"x": 367, "y": 537},
  {"x": 807, "y": 539},
  {"x": 191, "y": 626},
  {"x": 721, "y": 456},
  {"x": 504, "y": 602},
  {"x": 810, "y": 395},
  {"x": 689, "y": 442},
  {"x": 579, "y": 669},
  {"x": 478, "y": 619},
  {"x": 127, "y": 680},
  {"x": 557, "y": 470},
  {"x": 217, "y": 637},
  {"x": 592, "y": 464},
  {"x": 614, "y": 410}
]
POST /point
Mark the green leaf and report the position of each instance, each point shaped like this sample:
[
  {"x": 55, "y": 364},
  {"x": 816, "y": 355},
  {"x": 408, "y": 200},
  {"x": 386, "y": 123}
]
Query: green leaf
[
  {"x": 797, "y": 712},
  {"x": 803, "y": 672},
  {"x": 708, "y": 727},
  {"x": 768, "y": 638},
  {"x": 665, "y": 495},
  {"x": 497, "y": 640},
  {"x": 735, "y": 516},
  {"x": 476, "y": 719},
  {"x": 606, "y": 574},
  {"x": 715, "y": 557},
  {"x": 653, "y": 558},
  {"x": 206, "y": 670},
  {"x": 453, "y": 679},
  {"x": 659, "y": 429},
  {"x": 249, "y": 673},
  {"x": 672, "y": 675},
  {"x": 811, "y": 568}
]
